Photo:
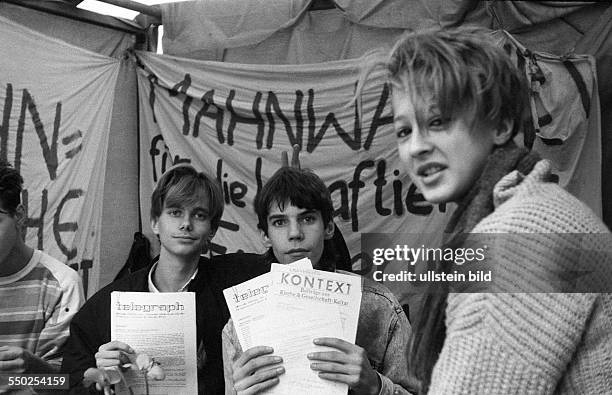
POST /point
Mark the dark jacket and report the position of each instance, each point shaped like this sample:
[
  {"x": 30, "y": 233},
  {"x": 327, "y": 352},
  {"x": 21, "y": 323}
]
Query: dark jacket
[{"x": 90, "y": 327}]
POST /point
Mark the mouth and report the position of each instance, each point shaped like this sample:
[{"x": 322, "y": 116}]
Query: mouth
[
  {"x": 297, "y": 252},
  {"x": 429, "y": 171},
  {"x": 186, "y": 238}
]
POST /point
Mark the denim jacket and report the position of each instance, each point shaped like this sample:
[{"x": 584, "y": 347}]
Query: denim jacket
[{"x": 383, "y": 331}]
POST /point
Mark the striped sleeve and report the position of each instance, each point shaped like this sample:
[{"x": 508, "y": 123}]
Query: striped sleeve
[
  {"x": 58, "y": 317},
  {"x": 37, "y": 304}
]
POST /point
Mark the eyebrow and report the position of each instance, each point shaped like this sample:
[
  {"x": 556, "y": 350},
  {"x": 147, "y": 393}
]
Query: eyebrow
[
  {"x": 307, "y": 211},
  {"x": 2, "y": 211},
  {"x": 181, "y": 207},
  {"x": 276, "y": 216}
]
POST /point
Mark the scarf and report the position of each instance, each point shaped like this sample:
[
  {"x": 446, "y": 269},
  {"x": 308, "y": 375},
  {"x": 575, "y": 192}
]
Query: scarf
[
  {"x": 430, "y": 332},
  {"x": 478, "y": 203}
]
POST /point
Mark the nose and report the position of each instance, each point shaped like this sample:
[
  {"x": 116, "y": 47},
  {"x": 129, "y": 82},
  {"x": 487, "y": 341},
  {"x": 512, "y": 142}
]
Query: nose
[
  {"x": 419, "y": 143},
  {"x": 186, "y": 223},
  {"x": 295, "y": 231}
]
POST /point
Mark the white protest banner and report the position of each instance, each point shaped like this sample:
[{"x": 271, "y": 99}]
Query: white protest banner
[
  {"x": 55, "y": 111},
  {"x": 234, "y": 120}
]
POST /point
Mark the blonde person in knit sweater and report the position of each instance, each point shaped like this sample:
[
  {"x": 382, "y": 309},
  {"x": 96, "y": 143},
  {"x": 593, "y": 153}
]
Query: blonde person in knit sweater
[{"x": 458, "y": 101}]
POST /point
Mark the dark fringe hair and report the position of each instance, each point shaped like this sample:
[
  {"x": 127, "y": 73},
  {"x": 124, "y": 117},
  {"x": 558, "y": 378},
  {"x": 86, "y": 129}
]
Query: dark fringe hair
[
  {"x": 301, "y": 187},
  {"x": 11, "y": 185}
]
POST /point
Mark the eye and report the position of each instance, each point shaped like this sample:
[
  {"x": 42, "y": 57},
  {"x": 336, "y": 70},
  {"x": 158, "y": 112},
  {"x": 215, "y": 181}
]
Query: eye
[
  {"x": 404, "y": 132},
  {"x": 438, "y": 123},
  {"x": 201, "y": 216},
  {"x": 308, "y": 219},
  {"x": 278, "y": 222},
  {"x": 174, "y": 212}
]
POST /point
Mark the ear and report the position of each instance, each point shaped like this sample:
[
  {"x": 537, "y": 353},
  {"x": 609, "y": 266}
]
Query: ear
[
  {"x": 155, "y": 225},
  {"x": 20, "y": 215},
  {"x": 329, "y": 230},
  {"x": 504, "y": 132},
  {"x": 20, "y": 221},
  {"x": 265, "y": 239}
]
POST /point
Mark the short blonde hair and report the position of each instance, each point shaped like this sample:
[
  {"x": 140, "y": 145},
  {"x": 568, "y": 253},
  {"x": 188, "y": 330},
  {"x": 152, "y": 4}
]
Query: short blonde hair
[{"x": 463, "y": 71}]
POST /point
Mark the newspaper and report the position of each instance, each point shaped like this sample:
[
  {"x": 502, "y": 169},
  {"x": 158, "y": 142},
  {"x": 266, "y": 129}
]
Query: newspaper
[
  {"x": 298, "y": 305},
  {"x": 162, "y": 325},
  {"x": 323, "y": 288},
  {"x": 247, "y": 304}
]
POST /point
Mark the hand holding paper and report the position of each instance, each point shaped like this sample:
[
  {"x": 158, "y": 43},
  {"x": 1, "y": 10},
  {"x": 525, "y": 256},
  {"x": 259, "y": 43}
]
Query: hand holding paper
[
  {"x": 348, "y": 365},
  {"x": 256, "y": 370},
  {"x": 110, "y": 371},
  {"x": 113, "y": 354},
  {"x": 297, "y": 304}
]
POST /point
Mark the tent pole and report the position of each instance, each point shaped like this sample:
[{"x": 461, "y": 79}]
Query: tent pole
[{"x": 135, "y": 6}]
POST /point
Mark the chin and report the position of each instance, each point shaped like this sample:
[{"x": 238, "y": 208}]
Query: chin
[
  {"x": 291, "y": 260},
  {"x": 187, "y": 251},
  {"x": 437, "y": 197}
]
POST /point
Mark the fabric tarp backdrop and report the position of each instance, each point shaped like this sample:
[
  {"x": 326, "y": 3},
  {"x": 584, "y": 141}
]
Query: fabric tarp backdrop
[
  {"x": 55, "y": 130},
  {"x": 565, "y": 116},
  {"x": 285, "y": 32}
]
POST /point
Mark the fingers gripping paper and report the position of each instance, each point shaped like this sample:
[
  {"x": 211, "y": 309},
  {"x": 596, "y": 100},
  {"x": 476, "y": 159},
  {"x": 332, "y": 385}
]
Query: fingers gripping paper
[{"x": 289, "y": 307}]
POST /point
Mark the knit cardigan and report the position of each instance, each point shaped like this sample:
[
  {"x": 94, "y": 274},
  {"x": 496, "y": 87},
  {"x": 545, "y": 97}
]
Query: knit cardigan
[{"x": 529, "y": 343}]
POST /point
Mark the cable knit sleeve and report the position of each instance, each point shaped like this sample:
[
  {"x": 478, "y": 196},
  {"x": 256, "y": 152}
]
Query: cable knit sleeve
[
  {"x": 530, "y": 343},
  {"x": 502, "y": 343}
]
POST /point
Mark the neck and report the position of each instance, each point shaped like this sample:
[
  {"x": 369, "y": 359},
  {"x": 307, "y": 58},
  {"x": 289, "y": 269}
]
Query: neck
[
  {"x": 322, "y": 264},
  {"x": 173, "y": 272},
  {"x": 16, "y": 260},
  {"x": 477, "y": 203}
]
